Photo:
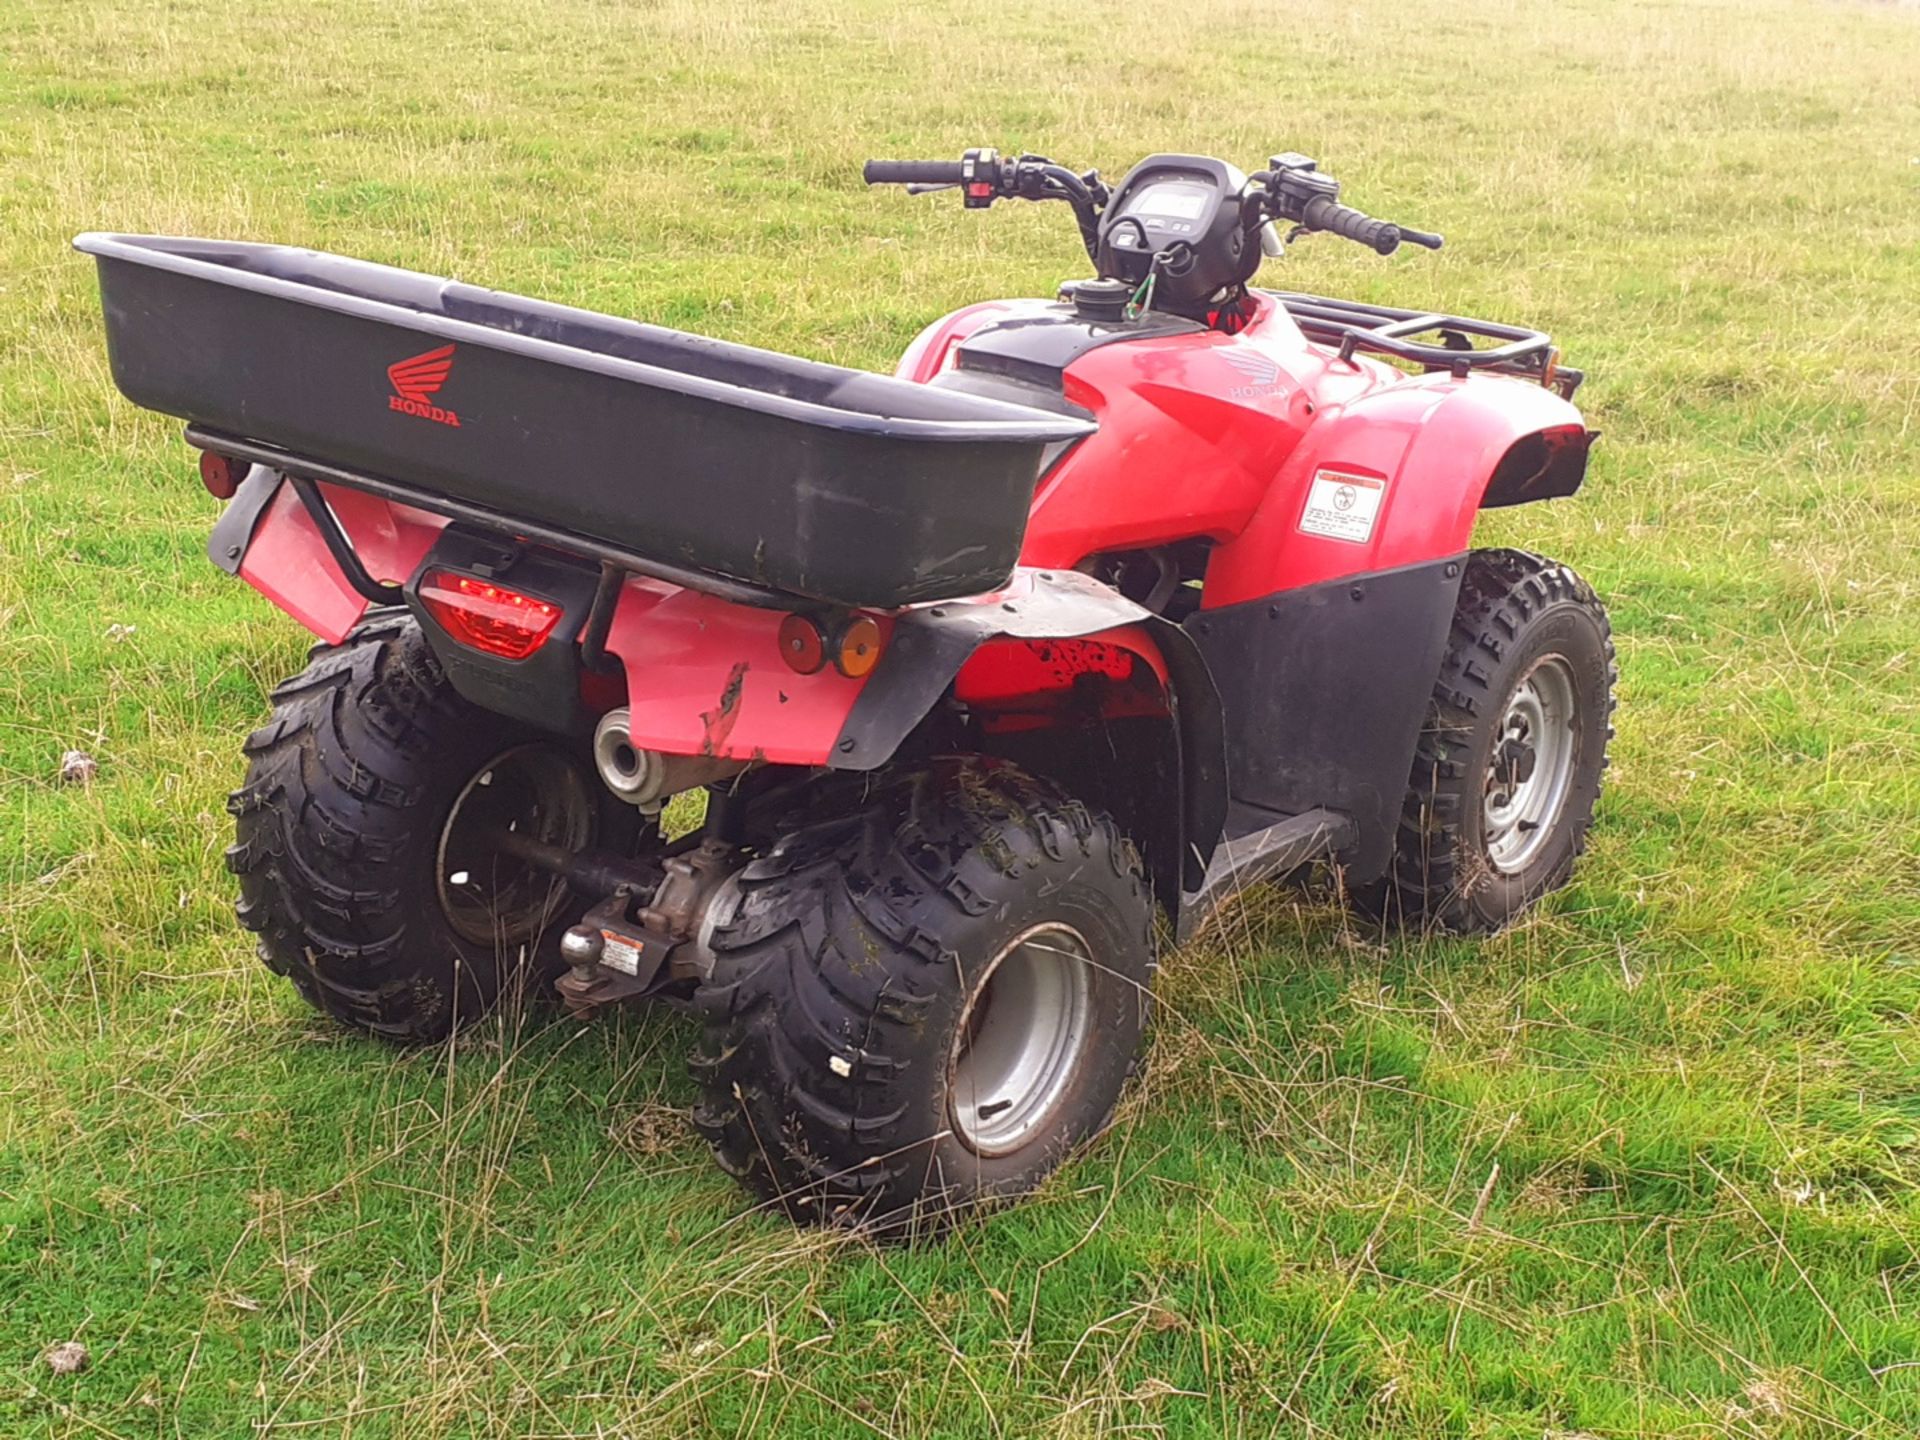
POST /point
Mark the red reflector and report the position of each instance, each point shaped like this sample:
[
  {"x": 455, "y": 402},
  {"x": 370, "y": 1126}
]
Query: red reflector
[
  {"x": 220, "y": 475},
  {"x": 802, "y": 645},
  {"x": 488, "y": 617}
]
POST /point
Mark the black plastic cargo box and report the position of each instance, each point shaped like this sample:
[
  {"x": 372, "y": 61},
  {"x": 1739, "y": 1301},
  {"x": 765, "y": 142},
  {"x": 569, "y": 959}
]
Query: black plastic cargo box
[{"x": 685, "y": 452}]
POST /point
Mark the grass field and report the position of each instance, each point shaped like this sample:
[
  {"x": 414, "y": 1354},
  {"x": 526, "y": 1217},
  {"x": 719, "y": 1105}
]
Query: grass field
[{"x": 1697, "y": 1072}]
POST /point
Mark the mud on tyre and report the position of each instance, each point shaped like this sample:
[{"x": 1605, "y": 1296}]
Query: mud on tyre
[
  {"x": 359, "y": 838},
  {"x": 926, "y": 1005}
]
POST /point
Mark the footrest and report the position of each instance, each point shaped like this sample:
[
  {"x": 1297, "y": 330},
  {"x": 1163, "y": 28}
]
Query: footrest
[{"x": 1255, "y": 856}]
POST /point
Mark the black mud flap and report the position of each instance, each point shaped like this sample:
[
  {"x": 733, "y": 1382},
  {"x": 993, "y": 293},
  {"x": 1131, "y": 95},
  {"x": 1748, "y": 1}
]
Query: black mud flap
[
  {"x": 233, "y": 531},
  {"x": 931, "y": 643},
  {"x": 1324, "y": 690}
]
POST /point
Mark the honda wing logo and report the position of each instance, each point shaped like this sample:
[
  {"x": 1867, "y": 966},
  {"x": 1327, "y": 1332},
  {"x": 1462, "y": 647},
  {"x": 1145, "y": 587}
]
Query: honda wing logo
[
  {"x": 1253, "y": 366},
  {"x": 417, "y": 380}
]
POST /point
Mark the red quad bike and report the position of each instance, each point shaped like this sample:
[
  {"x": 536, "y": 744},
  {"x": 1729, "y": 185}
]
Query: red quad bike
[{"x": 1103, "y": 605}]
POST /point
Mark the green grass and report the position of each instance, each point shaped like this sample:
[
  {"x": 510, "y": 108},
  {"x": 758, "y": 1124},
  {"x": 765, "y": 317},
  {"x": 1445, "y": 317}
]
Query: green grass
[{"x": 1697, "y": 1071}]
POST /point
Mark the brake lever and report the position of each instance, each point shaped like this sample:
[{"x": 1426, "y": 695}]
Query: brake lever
[
  {"x": 1422, "y": 237},
  {"x": 930, "y": 189}
]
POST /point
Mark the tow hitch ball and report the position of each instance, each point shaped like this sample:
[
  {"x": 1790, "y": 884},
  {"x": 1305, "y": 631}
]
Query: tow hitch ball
[
  {"x": 619, "y": 953},
  {"x": 609, "y": 957}
]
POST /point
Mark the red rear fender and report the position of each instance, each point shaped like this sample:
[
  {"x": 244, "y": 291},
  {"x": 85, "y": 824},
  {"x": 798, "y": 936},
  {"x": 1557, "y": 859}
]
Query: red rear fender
[
  {"x": 706, "y": 676},
  {"x": 288, "y": 562},
  {"x": 1023, "y": 683}
]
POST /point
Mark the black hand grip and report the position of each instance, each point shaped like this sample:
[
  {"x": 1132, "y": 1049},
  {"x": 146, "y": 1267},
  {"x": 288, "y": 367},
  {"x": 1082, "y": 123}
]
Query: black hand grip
[
  {"x": 1321, "y": 213},
  {"x": 914, "y": 172}
]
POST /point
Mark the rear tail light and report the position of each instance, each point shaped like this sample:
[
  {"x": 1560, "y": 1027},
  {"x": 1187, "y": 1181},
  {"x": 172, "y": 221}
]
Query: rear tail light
[{"x": 485, "y": 617}]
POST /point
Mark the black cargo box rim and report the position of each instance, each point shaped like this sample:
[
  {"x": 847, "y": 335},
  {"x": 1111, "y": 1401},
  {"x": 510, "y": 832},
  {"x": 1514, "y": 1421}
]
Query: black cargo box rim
[{"x": 1020, "y": 425}]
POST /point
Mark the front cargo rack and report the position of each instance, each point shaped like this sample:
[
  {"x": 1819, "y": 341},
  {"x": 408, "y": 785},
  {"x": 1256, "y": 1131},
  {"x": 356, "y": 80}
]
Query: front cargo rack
[{"x": 1384, "y": 330}]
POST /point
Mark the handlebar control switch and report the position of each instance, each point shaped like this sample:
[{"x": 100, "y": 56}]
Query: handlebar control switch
[
  {"x": 1296, "y": 181},
  {"x": 980, "y": 177}
]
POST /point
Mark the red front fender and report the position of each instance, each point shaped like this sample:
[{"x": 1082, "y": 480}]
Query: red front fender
[{"x": 1439, "y": 449}]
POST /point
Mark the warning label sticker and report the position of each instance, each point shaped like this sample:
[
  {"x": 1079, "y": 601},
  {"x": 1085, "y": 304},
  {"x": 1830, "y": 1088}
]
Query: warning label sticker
[
  {"x": 619, "y": 953},
  {"x": 1342, "y": 506}
]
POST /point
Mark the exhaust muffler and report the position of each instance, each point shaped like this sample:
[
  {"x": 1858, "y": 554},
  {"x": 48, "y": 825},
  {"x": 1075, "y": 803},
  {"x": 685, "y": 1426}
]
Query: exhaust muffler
[{"x": 649, "y": 778}]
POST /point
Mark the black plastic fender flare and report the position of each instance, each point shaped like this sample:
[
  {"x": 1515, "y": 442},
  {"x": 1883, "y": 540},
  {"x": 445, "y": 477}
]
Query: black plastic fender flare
[
  {"x": 931, "y": 642},
  {"x": 233, "y": 531}
]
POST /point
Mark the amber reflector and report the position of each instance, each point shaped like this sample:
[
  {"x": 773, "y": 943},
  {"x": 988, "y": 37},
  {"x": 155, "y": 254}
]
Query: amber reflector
[
  {"x": 220, "y": 475},
  {"x": 856, "y": 648},
  {"x": 802, "y": 645}
]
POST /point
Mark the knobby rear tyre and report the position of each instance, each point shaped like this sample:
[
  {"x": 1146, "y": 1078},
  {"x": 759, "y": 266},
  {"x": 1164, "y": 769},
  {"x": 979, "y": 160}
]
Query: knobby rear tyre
[
  {"x": 340, "y": 831},
  {"x": 845, "y": 970}
]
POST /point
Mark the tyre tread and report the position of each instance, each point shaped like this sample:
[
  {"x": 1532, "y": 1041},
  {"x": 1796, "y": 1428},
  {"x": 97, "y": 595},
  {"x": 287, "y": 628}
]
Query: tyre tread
[
  {"x": 1501, "y": 591},
  {"x": 322, "y": 813},
  {"x": 796, "y": 996}
]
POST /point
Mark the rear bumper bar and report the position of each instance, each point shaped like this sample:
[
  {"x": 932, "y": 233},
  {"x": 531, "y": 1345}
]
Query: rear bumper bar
[{"x": 307, "y": 468}]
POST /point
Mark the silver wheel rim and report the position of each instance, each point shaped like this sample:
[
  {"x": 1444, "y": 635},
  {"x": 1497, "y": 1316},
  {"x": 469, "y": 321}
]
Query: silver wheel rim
[
  {"x": 532, "y": 790},
  {"x": 1021, "y": 1040},
  {"x": 1531, "y": 768}
]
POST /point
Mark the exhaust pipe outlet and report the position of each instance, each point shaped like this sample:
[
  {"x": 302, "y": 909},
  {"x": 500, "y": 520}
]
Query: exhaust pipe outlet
[{"x": 648, "y": 778}]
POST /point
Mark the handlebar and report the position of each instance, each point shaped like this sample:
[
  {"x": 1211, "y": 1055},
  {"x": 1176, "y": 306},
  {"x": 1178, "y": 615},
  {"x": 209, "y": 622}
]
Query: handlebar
[
  {"x": 984, "y": 176},
  {"x": 914, "y": 172},
  {"x": 1297, "y": 191},
  {"x": 1321, "y": 213},
  {"x": 1291, "y": 189},
  {"x": 1351, "y": 224}
]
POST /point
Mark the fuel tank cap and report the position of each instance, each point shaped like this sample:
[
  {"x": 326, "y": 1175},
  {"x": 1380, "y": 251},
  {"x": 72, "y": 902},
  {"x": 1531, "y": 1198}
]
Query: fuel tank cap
[{"x": 1098, "y": 300}]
